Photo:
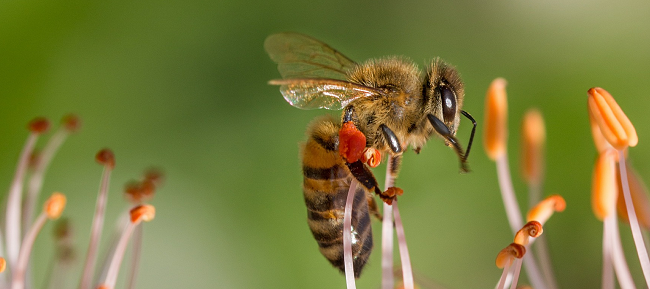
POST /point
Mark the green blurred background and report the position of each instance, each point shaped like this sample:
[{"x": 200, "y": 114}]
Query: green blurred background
[{"x": 182, "y": 85}]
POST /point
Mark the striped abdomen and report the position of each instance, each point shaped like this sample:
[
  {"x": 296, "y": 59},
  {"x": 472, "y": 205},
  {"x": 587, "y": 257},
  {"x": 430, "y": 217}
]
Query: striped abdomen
[{"x": 326, "y": 184}]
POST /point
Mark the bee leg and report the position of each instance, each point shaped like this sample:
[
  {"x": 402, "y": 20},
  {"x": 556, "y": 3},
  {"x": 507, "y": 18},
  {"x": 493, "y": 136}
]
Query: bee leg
[
  {"x": 372, "y": 207},
  {"x": 365, "y": 177},
  {"x": 444, "y": 131},
  {"x": 391, "y": 139}
]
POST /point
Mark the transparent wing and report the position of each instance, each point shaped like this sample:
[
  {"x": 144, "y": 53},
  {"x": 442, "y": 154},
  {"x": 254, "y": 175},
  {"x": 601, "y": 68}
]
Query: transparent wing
[
  {"x": 300, "y": 56},
  {"x": 313, "y": 93}
]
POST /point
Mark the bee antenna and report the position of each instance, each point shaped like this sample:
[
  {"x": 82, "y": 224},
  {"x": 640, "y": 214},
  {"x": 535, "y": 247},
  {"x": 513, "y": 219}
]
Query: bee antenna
[
  {"x": 471, "y": 137},
  {"x": 444, "y": 131}
]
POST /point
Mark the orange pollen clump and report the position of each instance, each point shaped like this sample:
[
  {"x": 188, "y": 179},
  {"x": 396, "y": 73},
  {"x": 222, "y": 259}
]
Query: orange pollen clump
[
  {"x": 54, "y": 206},
  {"x": 508, "y": 254},
  {"x": 371, "y": 157},
  {"x": 352, "y": 142},
  {"x": 603, "y": 186},
  {"x": 144, "y": 213},
  {"x": 106, "y": 158},
  {"x": 39, "y": 125},
  {"x": 71, "y": 122},
  {"x": 544, "y": 209},
  {"x": 496, "y": 114},
  {"x": 610, "y": 118},
  {"x": 531, "y": 229}
]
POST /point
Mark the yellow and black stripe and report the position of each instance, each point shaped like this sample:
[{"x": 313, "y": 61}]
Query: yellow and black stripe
[{"x": 326, "y": 183}]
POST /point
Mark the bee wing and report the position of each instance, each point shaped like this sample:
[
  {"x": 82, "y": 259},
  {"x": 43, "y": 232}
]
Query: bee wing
[
  {"x": 313, "y": 93},
  {"x": 300, "y": 56}
]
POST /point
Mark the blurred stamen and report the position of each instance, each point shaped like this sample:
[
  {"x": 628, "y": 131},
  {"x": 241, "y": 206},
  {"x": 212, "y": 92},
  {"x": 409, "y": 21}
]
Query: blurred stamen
[
  {"x": 52, "y": 210},
  {"x": 533, "y": 136},
  {"x": 138, "y": 214},
  {"x": 69, "y": 124},
  {"x": 106, "y": 158},
  {"x": 37, "y": 127}
]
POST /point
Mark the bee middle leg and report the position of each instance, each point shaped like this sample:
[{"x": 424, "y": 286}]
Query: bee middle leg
[
  {"x": 372, "y": 207},
  {"x": 365, "y": 177}
]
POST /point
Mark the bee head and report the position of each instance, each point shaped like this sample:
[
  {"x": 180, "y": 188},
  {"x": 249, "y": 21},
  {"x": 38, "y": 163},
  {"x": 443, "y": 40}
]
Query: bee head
[{"x": 443, "y": 93}]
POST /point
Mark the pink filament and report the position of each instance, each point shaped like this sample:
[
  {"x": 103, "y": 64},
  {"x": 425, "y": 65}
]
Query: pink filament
[{"x": 347, "y": 237}]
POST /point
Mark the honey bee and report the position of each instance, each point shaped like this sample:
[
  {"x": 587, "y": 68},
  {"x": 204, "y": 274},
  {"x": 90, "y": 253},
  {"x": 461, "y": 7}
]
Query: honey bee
[{"x": 388, "y": 105}]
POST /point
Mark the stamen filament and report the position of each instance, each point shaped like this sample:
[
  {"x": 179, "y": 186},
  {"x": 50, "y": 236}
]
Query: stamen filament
[
  {"x": 618, "y": 257},
  {"x": 13, "y": 213},
  {"x": 407, "y": 270},
  {"x": 105, "y": 157},
  {"x": 53, "y": 209},
  {"x": 18, "y": 280},
  {"x": 634, "y": 223},
  {"x": 36, "y": 179},
  {"x": 136, "y": 248},
  {"x": 347, "y": 237},
  {"x": 387, "y": 279},
  {"x": 138, "y": 214}
]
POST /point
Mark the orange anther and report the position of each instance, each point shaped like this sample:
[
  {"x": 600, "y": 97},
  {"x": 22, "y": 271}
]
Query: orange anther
[
  {"x": 603, "y": 190},
  {"x": 531, "y": 229},
  {"x": 612, "y": 121},
  {"x": 496, "y": 114},
  {"x": 371, "y": 157},
  {"x": 39, "y": 125},
  {"x": 533, "y": 136},
  {"x": 352, "y": 142},
  {"x": 54, "y": 206},
  {"x": 106, "y": 158},
  {"x": 508, "y": 254},
  {"x": 144, "y": 213},
  {"x": 544, "y": 209},
  {"x": 3, "y": 264}
]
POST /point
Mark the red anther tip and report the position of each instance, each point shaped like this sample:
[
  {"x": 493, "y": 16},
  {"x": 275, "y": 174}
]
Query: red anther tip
[
  {"x": 106, "y": 158},
  {"x": 71, "y": 122},
  {"x": 39, "y": 125},
  {"x": 144, "y": 213},
  {"x": 352, "y": 142}
]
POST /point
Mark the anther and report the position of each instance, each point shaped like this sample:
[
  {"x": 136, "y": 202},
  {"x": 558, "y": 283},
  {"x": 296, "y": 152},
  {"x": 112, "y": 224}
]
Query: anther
[
  {"x": 544, "y": 209},
  {"x": 54, "y": 206},
  {"x": 106, "y": 158},
  {"x": 371, "y": 157},
  {"x": 71, "y": 122},
  {"x": 614, "y": 124},
  {"x": 508, "y": 254},
  {"x": 496, "y": 114},
  {"x": 531, "y": 229},
  {"x": 533, "y": 137},
  {"x": 603, "y": 189},
  {"x": 144, "y": 213},
  {"x": 39, "y": 125}
]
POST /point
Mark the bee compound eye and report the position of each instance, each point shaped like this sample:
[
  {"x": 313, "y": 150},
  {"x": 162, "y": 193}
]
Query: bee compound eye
[{"x": 448, "y": 100}]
